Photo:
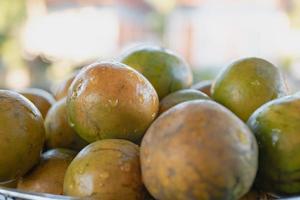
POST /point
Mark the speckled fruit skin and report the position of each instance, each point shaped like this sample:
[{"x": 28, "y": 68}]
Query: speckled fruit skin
[
  {"x": 277, "y": 128},
  {"x": 198, "y": 150},
  {"x": 42, "y": 99},
  {"x": 111, "y": 101},
  {"x": 247, "y": 84},
  {"x": 22, "y": 135},
  {"x": 59, "y": 134},
  {"x": 178, "y": 97},
  {"x": 166, "y": 71},
  {"x": 48, "y": 175},
  {"x": 106, "y": 170},
  {"x": 203, "y": 86}
]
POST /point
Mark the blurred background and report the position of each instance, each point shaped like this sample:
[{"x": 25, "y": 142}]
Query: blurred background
[{"x": 43, "y": 41}]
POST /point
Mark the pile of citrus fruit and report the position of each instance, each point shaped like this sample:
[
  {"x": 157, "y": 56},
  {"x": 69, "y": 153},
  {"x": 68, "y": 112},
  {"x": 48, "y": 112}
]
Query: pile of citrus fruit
[{"x": 137, "y": 128}]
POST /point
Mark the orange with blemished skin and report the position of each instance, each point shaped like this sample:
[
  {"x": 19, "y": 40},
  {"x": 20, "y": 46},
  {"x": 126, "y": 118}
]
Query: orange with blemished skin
[
  {"x": 59, "y": 134},
  {"x": 48, "y": 175},
  {"x": 198, "y": 150},
  {"x": 22, "y": 135},
  {"x": 247, "y": 84},
  {"x": 106, "y": 170},
  {"x": 178, "y": 97},
  {"x": 42, "y": 99},
  {"x": 167, "y": 71},
  {"x": 277, "y": 129},
  {"x": 110, "y": 100}
]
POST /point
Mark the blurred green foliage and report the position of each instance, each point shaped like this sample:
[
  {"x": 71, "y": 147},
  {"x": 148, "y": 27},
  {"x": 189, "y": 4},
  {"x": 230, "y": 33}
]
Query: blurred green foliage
[{"x": 12, "y": 14}]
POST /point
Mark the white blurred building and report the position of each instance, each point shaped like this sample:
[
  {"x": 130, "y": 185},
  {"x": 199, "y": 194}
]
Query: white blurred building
[{"x": 216, "y": 32}]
